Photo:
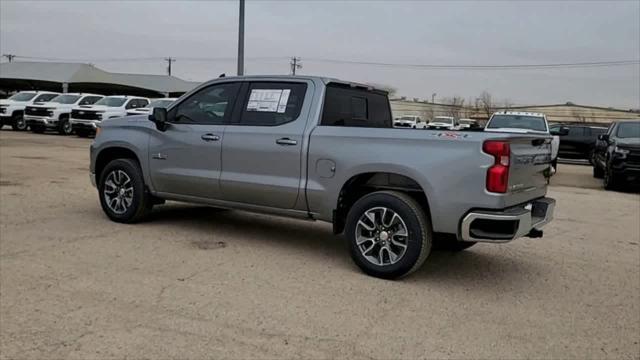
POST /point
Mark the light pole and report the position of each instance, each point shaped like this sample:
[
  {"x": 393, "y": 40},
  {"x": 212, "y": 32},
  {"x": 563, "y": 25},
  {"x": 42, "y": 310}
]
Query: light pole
[
  {"x": 433, "y": 98},
  {"x": 241, "y": 40}
]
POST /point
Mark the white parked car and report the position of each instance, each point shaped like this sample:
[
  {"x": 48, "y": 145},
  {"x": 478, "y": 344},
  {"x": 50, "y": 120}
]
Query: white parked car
[
  {"x": 442, "y": 122},
  {"x": 409, "y": 122},
  {"x": 163, "y": 103},
  {"x": 12, "y": 109},
  {"x": 85, "y": 119},
  {"x": 467, "y": 124},
  {"x": 524, "y": 123},
  {"x": 55, "y": 113}
]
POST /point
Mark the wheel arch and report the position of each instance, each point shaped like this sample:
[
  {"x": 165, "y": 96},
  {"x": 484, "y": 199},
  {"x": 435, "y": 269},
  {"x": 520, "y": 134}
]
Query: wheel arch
[
  {"x": 365, "y": 183},
  {"x": 108, "y": 154}
]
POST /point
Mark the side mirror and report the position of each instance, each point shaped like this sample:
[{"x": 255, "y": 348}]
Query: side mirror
[
  {"x": 159, "y": 117},
  {"x": 603, "y": 137}
]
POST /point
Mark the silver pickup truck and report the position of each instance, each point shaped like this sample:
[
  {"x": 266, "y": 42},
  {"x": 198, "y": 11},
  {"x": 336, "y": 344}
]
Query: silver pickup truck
[{"x": 324, "y": 149}]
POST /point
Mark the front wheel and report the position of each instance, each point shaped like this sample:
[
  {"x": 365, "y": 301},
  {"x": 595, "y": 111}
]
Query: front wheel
[
  {"x": 19, "y": 123},
  {"x": 610, "y": 181},
  {"x": 389, "y": 234},
  {"x": 122, "y": 192},
  {"x": 64, "y": 126}
]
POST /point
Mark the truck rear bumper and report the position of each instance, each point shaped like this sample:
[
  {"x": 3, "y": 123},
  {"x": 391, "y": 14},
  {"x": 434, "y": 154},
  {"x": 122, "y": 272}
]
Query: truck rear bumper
[{"x": 508, "y": 224}]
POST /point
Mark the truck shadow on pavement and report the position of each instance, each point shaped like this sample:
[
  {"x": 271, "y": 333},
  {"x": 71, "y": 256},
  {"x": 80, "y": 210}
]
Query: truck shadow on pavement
[{"x": 474, "y": 267}]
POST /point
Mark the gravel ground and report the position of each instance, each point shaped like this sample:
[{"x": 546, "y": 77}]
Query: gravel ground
[{"x": 196, "y": 282}]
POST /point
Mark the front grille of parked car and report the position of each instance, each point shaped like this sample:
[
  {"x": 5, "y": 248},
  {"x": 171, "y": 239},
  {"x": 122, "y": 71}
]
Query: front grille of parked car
[
  {"x": 85, "y": 115},
  {"x": 37, "y": 111},
  {"x": 3, "y": 109},
  {"x": 633, "y": 157}
]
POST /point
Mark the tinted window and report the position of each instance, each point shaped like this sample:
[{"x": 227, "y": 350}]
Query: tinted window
[
  {"x": 595, "y": 131},
  {"x": 143, "y": 103},
  {"x": 576, "y": 131},
  {"x": 272, "y": 103},
  {"x": 44, "y": 97},
  {"x": 346, "y": 106},
  {"x": 211, "y": 105},
  {"x": 628, "y": 130},
  {"x": 89, "y": 100},
  {"x": 65, "y": 99},
  {"x": 132, "y": 104},
  {"x": 111, "y": 101},
  {"x": 22, "y": 96}
]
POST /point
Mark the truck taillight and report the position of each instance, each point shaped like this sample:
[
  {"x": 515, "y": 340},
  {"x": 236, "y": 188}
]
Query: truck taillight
[{"x": 498, "y": 173}]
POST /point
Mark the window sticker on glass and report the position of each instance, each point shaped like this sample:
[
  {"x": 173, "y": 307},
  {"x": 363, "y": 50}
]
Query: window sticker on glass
[{"x": 268, "y": 100}]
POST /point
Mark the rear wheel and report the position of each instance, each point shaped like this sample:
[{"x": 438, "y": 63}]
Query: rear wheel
[
  {"x": 122, "y": 192},
  {"x": 389, "y": 234},
  {"x": 19, "y": 124},
  {"x": 64, "y": 126}
]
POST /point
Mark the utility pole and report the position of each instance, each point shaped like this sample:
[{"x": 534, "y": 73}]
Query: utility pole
[
  {"x": 295, "y": 64},
  {"x": 169, "y": 60},
  {"x": 9, "y": 56},
  {"x": 433, "y": 98},
  {"x": 241, "y": 39}
]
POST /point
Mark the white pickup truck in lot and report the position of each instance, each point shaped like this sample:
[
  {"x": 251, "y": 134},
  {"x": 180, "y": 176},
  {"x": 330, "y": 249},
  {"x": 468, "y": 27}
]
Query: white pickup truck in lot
[
  {"x": 524, "y": 123},
  {"x": 12, "y": 109},
  {"x": 54, "y": 114},
  {"x": 85, "y": 119},
  {"x": 442, "y": 123},
  {"x": 409, "y": 122},
  {"x": 323, "y": 149}
]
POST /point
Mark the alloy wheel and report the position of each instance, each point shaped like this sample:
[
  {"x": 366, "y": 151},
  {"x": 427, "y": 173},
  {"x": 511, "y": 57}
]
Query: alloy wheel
[
  {"x": 382, "y": 236},
  {"x": 118, "y": 191}
]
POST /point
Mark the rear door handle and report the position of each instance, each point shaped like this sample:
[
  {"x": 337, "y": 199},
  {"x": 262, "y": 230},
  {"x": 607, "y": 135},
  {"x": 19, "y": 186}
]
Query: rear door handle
[
  {"x": 286, "y": 141},
  {"x": 210, "y": 137}
]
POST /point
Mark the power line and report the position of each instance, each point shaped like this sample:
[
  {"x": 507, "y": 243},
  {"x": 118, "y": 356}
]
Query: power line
[{"x": 483, "y": 67}]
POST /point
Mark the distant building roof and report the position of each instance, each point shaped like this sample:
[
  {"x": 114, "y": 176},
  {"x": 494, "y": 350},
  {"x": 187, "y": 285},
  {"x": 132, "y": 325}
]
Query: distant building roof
[{"x": 77, "y": 73}]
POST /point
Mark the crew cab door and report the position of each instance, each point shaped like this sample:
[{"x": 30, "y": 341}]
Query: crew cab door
[
  {"x": 186, "y": 158},
  {"x": 263, "y": 145}
]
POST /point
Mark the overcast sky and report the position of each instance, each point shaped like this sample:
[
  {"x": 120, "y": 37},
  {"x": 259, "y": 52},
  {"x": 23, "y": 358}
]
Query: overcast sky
[{"x": 452, "y": 32}]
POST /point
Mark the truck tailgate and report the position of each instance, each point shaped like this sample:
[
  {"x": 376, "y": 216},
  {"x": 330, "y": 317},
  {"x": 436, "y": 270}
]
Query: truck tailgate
[{"x": 530, "y": 162}]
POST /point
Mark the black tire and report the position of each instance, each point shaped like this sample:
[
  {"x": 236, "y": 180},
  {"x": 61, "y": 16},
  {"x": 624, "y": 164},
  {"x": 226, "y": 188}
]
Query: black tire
[
  {"x": 141, "y": 201},
  {"x": 64, "y": 126},
  {"x": 597, "y": 172},
  {"x": 18, "y": 123},
  {"x": 82, "y": 133},
  {"x": 37, "y": 129},
  {"x": 610, "y": 181},
  {"x": 418, "y": 228}
]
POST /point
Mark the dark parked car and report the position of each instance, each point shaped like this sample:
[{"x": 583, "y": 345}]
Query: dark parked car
[
  {"x": 617, "y": 155},
  {"x": 577, "y": 141}
]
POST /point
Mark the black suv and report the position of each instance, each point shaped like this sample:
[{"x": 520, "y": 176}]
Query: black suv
[
  {"x": 577, "y": 141},
  {"x": 617, "y": 155}
]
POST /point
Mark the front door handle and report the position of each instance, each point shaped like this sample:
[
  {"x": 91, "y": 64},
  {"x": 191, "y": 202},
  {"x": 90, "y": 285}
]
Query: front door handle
[
  {"x": 210, "y": 137},
  {"x": 286, "y": 141}
]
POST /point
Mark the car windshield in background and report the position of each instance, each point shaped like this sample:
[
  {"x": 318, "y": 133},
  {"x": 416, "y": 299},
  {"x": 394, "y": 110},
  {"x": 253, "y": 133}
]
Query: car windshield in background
[
  {"x": 517, "y": 122},
  {"x": 65, "y": 99},
  {"x": 629, "y": 130},
  {"x": 111, "y": 102},
  {"x": 159, "y": 103},
  {"x": 22, "y": 96}
]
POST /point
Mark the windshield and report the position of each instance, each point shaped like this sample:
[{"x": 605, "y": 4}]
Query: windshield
[
  {"x": 629, "y": 130},
  {"x": 22, "y": 96},
  {"x": 65, "y": 99},
  {"x": 467, "y": 122},
  {"x": 159, "y": 103},
  {"x": 111, "y": 101},
  {"x": 443, "y": 120},
  {"x": 517, "y": 122}
]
